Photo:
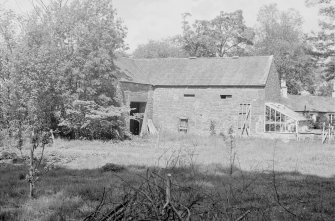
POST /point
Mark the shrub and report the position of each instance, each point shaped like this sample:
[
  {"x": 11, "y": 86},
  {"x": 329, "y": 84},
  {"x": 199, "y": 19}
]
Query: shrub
[
  {"x": 320, "y": 120},
  {"x": 110, "y": 167},
  {"x": 7, "y": 156},
  {"x": 22, "y": 176},
  {"x": 8, "y": 215}
]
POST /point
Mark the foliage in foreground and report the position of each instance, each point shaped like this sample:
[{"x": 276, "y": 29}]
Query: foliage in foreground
[
  {"x": 212, "y": 195},
  {"x": 57, "y": 71}
]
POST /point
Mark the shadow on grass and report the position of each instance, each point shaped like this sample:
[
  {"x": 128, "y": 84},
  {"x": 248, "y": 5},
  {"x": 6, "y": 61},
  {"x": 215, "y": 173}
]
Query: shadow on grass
[{"x": 74, "y": 194}]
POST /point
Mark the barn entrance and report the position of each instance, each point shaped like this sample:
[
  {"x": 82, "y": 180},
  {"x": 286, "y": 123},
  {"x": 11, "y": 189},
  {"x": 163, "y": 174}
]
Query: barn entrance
[{"x": 137, "y": 113}]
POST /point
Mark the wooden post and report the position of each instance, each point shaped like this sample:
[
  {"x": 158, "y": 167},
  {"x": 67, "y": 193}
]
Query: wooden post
[
  {"x": 168, "y": 189},
  {"x": 250, "y": 119},
  {"x": 296, "y": 129},
  {"x": 323, "y": 132}
]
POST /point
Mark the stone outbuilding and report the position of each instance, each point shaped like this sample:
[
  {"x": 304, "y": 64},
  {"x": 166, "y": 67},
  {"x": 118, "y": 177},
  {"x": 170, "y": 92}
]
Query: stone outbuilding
[
  {"x": 314, "y": 106},
  {"x": 206, "y": 95}
]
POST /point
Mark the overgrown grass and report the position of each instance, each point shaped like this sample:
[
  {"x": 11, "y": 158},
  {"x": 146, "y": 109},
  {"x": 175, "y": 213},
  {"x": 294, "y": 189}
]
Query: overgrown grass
[
  {"x": 199, "y": 166},
  {"x": 73, "y": 194},
  {"x": 252, "y": 154}
]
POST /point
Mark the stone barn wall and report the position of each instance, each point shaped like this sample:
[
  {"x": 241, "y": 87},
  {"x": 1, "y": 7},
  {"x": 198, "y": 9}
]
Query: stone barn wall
[
  {"x": 272, "y": 87},
  {"x": 167, "y": 104},
  {"x": 133, "y": 92},
  {"x": 206, "y": 106}
]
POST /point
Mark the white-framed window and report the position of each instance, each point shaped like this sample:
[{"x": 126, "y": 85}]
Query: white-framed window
[
  {"x": 183, "y": 124},
  {"x": 275, "y": 121}
]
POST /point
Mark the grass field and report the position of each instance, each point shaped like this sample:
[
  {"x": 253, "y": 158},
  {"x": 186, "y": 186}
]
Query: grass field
[
  {"x": 303, "y": 182},
  {"x": 251, "y": 154}
]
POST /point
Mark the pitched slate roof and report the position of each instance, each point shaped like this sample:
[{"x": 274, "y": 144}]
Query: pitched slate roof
[
  {"x": 310, "y": 103},
  {"x": 241, "y": 71}
]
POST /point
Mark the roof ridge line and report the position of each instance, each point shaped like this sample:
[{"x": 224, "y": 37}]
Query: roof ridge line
[{"x": 195, "y": 58}]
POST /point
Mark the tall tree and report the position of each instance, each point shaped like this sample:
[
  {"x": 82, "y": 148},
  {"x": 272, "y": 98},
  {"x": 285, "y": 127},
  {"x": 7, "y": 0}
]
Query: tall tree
[
  {"x": 324, "y": 40},
  {"x": 74, "y": 46},
  {"x": 59, "y": 69},
  {"x": 225, "y": 35},
  {"x": 160, "y": 49},
  {"x": 279, "y": 33}
]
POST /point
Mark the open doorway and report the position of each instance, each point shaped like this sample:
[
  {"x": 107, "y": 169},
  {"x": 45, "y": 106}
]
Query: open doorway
[{"x": 138, "y": 108}]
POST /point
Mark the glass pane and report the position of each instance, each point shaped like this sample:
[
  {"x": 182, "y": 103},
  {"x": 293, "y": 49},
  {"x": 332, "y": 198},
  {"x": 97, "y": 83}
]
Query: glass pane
[
  {"x": 267, "y": 113},
  {"x": 273, "y": 115},
  {"x": 272, "y": 127},
  {"x": 267, "y": 127},
  {"x": 277, "y": 116},
  {"x": 277, "y": 127}
]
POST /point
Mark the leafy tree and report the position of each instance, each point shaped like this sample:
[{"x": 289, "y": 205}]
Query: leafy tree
[
  {"x": 76, "y": 45},
  {"x": 160, "y": 49},
  {"x": 59, "y": 70},
  {"x": 324, "y": 40},
  {"x": 325, "y": 89},
  {"x": 8, "y": 103},
  {"x": 225, "y": 35},
  {"x": 280, "y": 34}
]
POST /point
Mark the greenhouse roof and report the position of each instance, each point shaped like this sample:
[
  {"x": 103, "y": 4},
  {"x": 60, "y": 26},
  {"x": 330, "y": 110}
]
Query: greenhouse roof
[{"x": 286, "y": 111}]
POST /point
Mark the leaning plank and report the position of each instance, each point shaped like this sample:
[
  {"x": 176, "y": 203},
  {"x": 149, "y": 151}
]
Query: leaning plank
[
  {"x": 151, "y": 127},
  {"x": 144, "y": 127},
  {"x": 324, "y": 137}
]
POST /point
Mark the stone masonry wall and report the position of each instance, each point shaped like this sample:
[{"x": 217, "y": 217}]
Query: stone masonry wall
[
  {"x": 272, "y": 88},
  {"x": 207, "y": 105},
  {"x": 133, "y": 92},
  {"x": 165, "y": 105}
]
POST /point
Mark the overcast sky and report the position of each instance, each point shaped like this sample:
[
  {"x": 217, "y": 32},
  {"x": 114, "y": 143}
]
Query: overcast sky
[{"x": 157, "y": 19}]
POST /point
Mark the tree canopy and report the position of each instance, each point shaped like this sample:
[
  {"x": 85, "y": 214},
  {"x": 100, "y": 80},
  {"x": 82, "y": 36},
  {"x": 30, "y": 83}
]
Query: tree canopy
[
  {"x": 160, "y": 49},
  {"x": 279, "y": 33},
  {"x": 324, "y": 41},
  {"x": 225, "y": 35},
  {"x": 59, "y": 73}
]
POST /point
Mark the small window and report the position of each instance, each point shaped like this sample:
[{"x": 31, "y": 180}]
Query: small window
[
  {"x": 225, "y": 96},
  {"x": 183, "y": 125},
  {"x": 189, "y": 95}
]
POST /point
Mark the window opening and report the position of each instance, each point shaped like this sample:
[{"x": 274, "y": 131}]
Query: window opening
[
  {"x": 225, "y": 96},
  {"x": 183, "y": 124},
  {"x": 189, "y": 95},
  {"x": 136, "y": 117}
]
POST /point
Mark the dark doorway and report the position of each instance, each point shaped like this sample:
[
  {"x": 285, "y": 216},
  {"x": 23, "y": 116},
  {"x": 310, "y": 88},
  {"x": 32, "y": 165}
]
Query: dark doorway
[{"x": 135, "y": 125}]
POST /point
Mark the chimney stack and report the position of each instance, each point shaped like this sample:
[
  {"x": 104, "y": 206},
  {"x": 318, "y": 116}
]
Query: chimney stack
[{"x": 283, "y": 88}]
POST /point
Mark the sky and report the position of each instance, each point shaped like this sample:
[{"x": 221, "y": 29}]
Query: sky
[{"x": 158, "y": 19}]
